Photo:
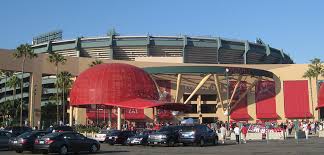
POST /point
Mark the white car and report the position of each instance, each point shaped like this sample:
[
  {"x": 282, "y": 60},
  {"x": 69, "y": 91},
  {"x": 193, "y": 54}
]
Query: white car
[{"x": 102, "y": 135}]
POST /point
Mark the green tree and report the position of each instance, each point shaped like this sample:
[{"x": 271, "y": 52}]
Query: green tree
[
  {"x": 96, "y": 62},
  {"x": 315, "y": 69},
  {"x": 57, "y": 59},
  {"x": 64, "y": 82},
  {"x": 13, "y": 83},
  {"x": 23, "y": 51}
]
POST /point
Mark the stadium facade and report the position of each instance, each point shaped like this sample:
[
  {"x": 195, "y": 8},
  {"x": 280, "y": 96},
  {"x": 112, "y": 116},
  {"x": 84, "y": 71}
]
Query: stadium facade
[{"x": 202, "y": 72}]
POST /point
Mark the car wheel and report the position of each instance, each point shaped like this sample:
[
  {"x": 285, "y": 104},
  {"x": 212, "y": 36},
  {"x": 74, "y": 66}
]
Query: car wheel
[
  {"x": 93, "y": 148},
  {"x": 45, "y": 152},
  {"x": 63, "y": 150},
  {"x": 202, "y": 142},
  {"x": 215, "y": 142},
  {"x": 171, "y": 143},
  {"x": 19, "y": 151}
]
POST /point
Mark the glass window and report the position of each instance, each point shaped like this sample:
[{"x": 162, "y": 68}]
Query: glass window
[
  {"x": 193, "y": 109},
  {"x": 208, "y": 108},
  {"x": 69, "y": 136},
  {"x": 25, "y": 135},
  {"x": 79, "y": 136}
]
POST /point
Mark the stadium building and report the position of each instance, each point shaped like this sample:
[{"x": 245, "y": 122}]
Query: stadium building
[{"x": 251, "y": 81}]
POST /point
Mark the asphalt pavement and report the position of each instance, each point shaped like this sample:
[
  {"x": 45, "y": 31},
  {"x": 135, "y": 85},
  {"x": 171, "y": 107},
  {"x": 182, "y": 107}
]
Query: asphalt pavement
[{"x": 311, "y": 146}]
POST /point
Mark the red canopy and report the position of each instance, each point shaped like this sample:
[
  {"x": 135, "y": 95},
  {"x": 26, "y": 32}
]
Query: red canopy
[
  {"x": 320, "y": 97},
  {"x": 101, "y": 115},
  {"x": 139, "y": 103}
]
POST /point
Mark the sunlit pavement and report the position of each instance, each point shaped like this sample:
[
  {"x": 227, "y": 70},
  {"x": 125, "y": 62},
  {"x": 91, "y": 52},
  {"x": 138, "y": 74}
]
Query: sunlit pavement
[{"x": 289, "y": 147}]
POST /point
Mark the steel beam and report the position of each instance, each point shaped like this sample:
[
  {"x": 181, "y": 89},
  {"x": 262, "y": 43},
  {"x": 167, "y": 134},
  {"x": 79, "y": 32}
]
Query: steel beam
[
  {"x": 178, "y": 88},
  {"x": 218, "y": 91},
  {"x": 235, "y": 88},
  {"x": 201, "y": 83}
]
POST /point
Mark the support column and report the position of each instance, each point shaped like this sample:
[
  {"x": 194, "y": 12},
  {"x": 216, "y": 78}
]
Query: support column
[
  {"x": 34, "y": 107},
  {"x": 118, "y": 118},
  {"x": 219, "y": 91},
  {"x": 235, "y": 88},
  {"x": 71, "y": 116},
  {"x": 199, "y": 108},
  {"x": 178, "y": 88}
]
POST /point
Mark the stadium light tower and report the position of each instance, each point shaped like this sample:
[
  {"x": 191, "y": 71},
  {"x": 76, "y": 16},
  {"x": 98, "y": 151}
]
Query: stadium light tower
[{"x": 227, "y": 95}]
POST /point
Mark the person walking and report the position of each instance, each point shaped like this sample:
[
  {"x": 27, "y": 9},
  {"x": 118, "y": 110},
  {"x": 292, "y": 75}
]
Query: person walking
[
  {"x": 244, "y": 131},
  {"x": 237, "y": 134},
  {"x": 223, "y": 132}
]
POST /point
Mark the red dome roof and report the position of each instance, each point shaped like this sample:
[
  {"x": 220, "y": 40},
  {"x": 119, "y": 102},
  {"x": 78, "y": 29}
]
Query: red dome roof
[{"x": 112, "y": 83}]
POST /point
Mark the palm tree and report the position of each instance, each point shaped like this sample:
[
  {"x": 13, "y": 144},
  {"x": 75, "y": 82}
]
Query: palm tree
[
  {"x": 96, "y": 62},
  {"x": 57, "y": 59},
  {"x": 6, "y": 74},
  {"x": 64, "y": 82},
  {"x": 14, "y": 83},
  {"x": 23, "y": 51},
  {"x": 315, "y": 69}
]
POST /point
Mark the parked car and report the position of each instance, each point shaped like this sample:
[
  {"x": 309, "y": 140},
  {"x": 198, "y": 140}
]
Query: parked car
[
  {"x": 65, "y": 142},
  {"x": 25, "y": 141},
  {"x": 103, "y": 134},
  {"x": 197, "y": 134},
  {"x": 17, "y": 130},
  {"x": 167, "y": 135},
  {"x": 139, "y": 138},
  {"x": 4, "y": 139},
  {"x": 59, "y": 129},
  {"x": 119, "y": 137}
]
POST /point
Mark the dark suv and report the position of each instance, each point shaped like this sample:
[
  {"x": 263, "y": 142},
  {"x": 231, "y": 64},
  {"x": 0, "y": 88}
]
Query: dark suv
[
  {"x": 119, "y": 137},
  {"x": 197, "y": 134},
  {"x": 167, "y": 135}
]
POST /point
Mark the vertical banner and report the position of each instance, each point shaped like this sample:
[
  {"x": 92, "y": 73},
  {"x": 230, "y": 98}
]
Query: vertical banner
[
  {"x": 240, "y": 112},
  {"x": 265, "y": 100}
]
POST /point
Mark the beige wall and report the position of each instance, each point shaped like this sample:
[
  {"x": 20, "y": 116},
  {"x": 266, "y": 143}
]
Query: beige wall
[{"x": 40, "y": 65}]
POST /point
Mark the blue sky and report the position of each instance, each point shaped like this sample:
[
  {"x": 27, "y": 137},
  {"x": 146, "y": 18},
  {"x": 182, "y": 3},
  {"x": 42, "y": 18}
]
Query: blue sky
[{"x": 295, "y": 26}]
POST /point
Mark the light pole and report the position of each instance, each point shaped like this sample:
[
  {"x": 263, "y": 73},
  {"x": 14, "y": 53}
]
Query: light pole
[{"x": 227, "y": 95}]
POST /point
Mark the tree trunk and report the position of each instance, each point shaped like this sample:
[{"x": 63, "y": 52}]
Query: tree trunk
[
  {"x": 63, "y": 103},
  {"x": 14, "y": 100},
  {"x": 21, "y": 90},
  {"x": 312, "y": 100},
  {"x": 5, "y": 95},
  {"x": 57, "y": 98}
]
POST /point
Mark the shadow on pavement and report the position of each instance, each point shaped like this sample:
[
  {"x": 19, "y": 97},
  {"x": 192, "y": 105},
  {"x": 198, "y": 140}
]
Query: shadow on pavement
[{"x": 103, "y": 152}]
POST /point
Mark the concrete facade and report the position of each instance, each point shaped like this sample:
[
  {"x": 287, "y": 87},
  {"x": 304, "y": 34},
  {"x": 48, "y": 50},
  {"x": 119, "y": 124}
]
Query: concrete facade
[{"x": 75, "y": 65}]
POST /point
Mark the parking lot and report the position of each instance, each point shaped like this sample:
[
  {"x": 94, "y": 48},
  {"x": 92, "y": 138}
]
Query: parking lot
[{"x": 287, "y": 147}]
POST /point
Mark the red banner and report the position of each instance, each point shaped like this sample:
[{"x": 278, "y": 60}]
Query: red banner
[
  {"x": 239, "y": 112},
  {"x": 296, "y": 99},
  {"x": 265, "y": 98}
]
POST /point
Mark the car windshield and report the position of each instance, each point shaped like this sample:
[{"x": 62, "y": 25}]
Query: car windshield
[
  {"x": 164, "y": 129},
  {"x": 51, "y": 135},
  {"x": 25, "y": 135},
  {"x": 103, "y": 131},
  {"x": 187, "y": 128},
  {"x": 114, "y": 133}
]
